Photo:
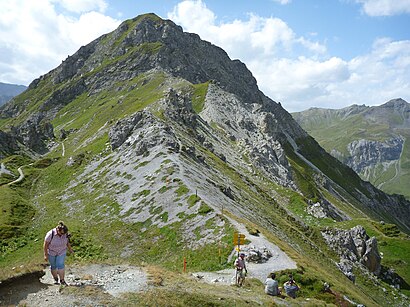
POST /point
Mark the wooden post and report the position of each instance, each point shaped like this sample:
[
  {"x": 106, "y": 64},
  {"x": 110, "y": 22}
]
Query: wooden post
[{"x": 184, "y": 265}]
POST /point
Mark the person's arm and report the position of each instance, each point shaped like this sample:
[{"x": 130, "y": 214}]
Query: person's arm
[
  {"x": 69, "y": 247},
  {"x": 45, "y": 247}
]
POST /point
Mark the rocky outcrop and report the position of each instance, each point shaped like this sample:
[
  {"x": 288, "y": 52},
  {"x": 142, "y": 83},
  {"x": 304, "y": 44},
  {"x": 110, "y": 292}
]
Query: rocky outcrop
[
  {"x": 324, "y": 209},
  {"x": 143, "y": 131},
  {"x": 354, "y": 248},
  {"x": 179, "y": 108},
  {"x": 366, "y": 153},
  {"x": 34, "y": 133},
  {"x": 8, "y": 144}
]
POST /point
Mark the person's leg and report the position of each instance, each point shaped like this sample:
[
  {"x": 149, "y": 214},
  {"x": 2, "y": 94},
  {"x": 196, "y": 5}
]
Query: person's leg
[
  {"x": 53, "y": 267},
  {"x": 60, "y": 267},
  {"x": 242, "y": 278}
]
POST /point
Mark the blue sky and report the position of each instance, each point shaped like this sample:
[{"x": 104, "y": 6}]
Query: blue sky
[{"x": 316, "y": 53}]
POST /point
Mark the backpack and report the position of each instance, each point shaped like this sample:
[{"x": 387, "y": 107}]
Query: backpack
[{"x": 67, "y": 234}]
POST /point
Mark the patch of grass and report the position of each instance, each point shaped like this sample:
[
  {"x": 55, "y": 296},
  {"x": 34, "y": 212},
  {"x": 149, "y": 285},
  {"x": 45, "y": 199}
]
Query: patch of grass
[
  {"x": 390, "y": 230},
  {"x": 193, "y": 199},
  {"x": 204, "y": 209},
  {"x": 163, "y": 189},
  {"x": 182, "y": 190},
  {"x": 141, "y": 164},
  {"x": 143, "y": 193},
  {"x": 85, "y": 248},
  {"x": 164, "y": 217},
  {"x": 198, "y": 96}
]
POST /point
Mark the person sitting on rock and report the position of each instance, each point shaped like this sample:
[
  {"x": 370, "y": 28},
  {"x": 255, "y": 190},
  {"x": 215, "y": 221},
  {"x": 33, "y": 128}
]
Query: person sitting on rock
[{"x": 271, "y": 285}]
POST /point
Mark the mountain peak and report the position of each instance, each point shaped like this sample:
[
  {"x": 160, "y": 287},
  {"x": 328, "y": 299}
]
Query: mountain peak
[
  {"x": 148, "y": 42},
  {"x": 395, "y": 103}
]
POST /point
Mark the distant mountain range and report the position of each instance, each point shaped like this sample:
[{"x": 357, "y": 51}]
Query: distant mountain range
[
  {"x": 374, "y": 141},
  {"x": 8, "y": 91}
]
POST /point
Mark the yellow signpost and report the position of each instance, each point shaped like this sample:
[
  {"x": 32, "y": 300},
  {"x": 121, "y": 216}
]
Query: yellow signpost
[{"x": 238, "y": 239}]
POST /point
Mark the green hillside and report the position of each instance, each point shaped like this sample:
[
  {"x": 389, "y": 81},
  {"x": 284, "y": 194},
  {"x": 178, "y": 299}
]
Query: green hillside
[
  {"x": 152, "y": 163},
  {"x": 335, "y": 130}
]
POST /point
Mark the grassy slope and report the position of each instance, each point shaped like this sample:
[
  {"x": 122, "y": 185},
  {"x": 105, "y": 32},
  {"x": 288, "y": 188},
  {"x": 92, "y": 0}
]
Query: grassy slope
[{"x": 335, "y": 132}]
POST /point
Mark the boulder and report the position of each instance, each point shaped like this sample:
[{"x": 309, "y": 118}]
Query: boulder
[
  {"x": 354, "y": 247},
  {"x": 371, "y": 258}
]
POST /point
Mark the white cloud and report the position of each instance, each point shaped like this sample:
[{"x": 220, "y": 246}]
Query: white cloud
[
  {"x": 36, "y": 38},
  {"x": 81, "y": 6},
  {"x": 255, "y": 37},
  {"x": 385, "y": 7},
  {"x": 297, "y": 70},
  {"x": 296, "y": 82}
]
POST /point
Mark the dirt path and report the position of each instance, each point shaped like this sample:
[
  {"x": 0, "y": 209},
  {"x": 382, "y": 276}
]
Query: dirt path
[
  {"x": 88, "y": 286},
  {"x": 278, "y": 261},
  {"x": 20, "y": 178}
]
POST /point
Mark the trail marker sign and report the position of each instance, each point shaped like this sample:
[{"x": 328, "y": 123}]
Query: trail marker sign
[{"x": 238, "y": 239}]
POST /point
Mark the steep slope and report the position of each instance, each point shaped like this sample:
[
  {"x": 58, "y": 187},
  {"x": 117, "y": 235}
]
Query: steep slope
[
  {"x": 371, "y": 140},
  {"x": 149, "y": 140}
]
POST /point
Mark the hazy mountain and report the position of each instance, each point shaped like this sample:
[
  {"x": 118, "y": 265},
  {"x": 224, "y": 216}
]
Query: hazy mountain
[
  {"x": 371, "y": 140},
  {"x": 8, "y": 91},
  {"x": 150, "y": 142}
]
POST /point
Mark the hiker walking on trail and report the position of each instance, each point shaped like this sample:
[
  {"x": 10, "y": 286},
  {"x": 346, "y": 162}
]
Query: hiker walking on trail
[
  {"x": 291, "y": 287},
  {"x": 241, "y": 270},
  {"x": 56, "y": 243},
  {"x": 271, "y": 285}
]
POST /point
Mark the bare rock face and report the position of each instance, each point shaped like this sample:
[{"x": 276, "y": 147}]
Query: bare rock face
[
  {"x": 371, "y": 258},
  {"x": 143, "y": 131},
  {"x": 34, "y": 133},
  {"x": 8, "y": 144},
  {"x": 365, "y": 153},
  {"x": 354, "y": 248},
  {"x": 325, "y": 209},
  {"x": 179, "y": 109}
]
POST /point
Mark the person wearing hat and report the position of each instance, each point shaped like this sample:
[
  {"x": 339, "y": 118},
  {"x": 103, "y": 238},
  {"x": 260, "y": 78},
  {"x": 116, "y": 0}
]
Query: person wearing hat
[{"x": 241, "y": 270}]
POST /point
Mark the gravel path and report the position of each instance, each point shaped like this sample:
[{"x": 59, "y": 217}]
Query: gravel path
[
  {"x": 98, "y": 281},
  {"x": 278, "y": 261}
]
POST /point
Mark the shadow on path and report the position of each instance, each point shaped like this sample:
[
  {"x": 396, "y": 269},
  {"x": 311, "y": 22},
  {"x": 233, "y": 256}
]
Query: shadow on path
[{"x": 16, "y": 289}]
